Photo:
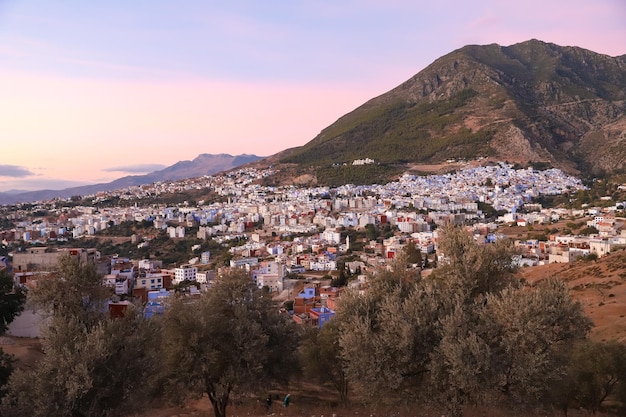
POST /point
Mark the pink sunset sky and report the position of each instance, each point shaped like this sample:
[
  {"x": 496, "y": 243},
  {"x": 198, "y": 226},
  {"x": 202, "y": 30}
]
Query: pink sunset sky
[{"x": 93, "y": 91}]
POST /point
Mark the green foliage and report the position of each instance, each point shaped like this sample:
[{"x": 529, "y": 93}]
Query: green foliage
[
  {"x": 596, "y": 374},
  {"x": 93, "y": 365},
  {"x": 476, "y": 269},
  {"x": 127, "y": 228},
  {"x": 372, "y": 231},
  {"x": 387, "y": 335},
  {"x": 12, "y": 300},
  {"x": 321, "y": 360},
  {"x": 342, "y": 277},
  {"x": 489, "y": 211},
  {"x": 540, "y": 165},
  {"x": 335, "y": 176},
  {"x": 590, "y": 257},
  {"x": 589, "y": 230},
  {"x": 185, "y": 286},
  {"x": 397, "y": 132},
  {"x": 468, "y": 334},
  {"x": 412, "y": 253},
  {"x": 76, "y": 292},
  {"x": 526, "y": 331},
  {"x": 6, "y": 369},
  {"x": 232, "y": 339}
]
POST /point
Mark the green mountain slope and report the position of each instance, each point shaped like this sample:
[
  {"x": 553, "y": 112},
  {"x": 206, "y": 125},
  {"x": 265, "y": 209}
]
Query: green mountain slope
[{"x": 531, "y": 101}]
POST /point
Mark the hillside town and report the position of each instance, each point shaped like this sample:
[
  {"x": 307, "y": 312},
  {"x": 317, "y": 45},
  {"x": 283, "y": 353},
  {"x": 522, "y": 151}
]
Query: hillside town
[{"x": 286, "y": 233}]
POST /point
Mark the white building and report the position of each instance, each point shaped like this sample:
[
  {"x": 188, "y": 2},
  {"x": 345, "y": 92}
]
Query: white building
[
  {"x": 185, "y": 272},
  {"x": 205, "y": 277},
  {"x": 600, "y": 247},
  {"x": 271, "y": 275},
  {"x": 331, "y": 236},
  {"x": 150, "y": 281}
]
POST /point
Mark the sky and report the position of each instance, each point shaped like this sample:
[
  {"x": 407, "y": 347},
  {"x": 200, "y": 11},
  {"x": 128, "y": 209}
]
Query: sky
[{"x": 91, "y": 91}]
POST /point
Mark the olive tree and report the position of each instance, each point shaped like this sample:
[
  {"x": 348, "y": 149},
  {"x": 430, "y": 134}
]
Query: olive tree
[
  {"x": 232, "y": 339},
  {"x": 92, "y": 364},
  {"x": 595, "y": 375},
  {"x": 320, "y": 356},
  {"x": 387, "y": 335},
  {"x": 506, "y": 346},
  {"x": 470, "y": 333},
  {"x": 12, "y": 300},
  {"x": 472, "y": 269}
]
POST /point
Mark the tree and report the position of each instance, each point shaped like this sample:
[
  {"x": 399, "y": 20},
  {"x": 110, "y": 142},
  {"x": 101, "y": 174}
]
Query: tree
[
  {"x": 342, "y": 278},
  {"x": 412, "y": 253},
  {"x": 232, "y": 339},
  {"x": 6, "y": 369},
  {"x": 468, "y": 334},
  {"x": 388, "y": 333},
  {"x": 474, "y": 269},
  {"x": 527, "y": 330},
  {"x": 500, "y": 339},
  {"x": 93, "y": 364},
  {"x": 589, "y": 230},
  {"x": 75, "y": 291},
  {"x": 12, "y": 300},
  {"x": 11, "y": 304},
  {"x": 595, "y": 372},
  {"x": 372, "y": 231},
  {"x": 320, "y": 356}
]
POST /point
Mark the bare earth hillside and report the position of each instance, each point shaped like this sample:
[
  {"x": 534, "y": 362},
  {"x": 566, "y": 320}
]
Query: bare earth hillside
[{"x": 601, "y": 288}]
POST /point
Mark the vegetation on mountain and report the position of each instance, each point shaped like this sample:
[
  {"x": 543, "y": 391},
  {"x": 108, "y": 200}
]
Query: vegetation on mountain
[
  {"x": 533, "y": 101},
  {"x": 337, "y": 175}
]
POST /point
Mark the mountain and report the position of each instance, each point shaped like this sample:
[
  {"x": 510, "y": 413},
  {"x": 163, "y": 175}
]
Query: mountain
[
  {"x": 529, "y": 102},
  {"x": 203, "y": 164}
]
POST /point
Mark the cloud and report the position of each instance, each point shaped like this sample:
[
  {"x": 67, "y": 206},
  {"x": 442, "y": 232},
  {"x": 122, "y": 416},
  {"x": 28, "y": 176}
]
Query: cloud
[
  {"x": 38, "y": 183},
  {"x": 14, "y": 171},
  {"x": 136, "y": 169},
  {"x": 489, "y": 19}
]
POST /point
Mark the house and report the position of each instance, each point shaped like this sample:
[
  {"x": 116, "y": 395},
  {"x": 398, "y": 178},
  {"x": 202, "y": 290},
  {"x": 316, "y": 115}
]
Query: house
[
  {"x": 150, "y": 280},
  {"x": 270, "y": 275},
  {"x": 306, "y": 300},
  {"x": 185, "y": 272},
  {"x": 118, "y": 309},
  {"x": 321, "y": 315},
  {"x": 158, "y": 301},
  {"x": 205, "y": 277},
  {"x": 122, "y": 285},
  {"x": 600, "y": 247}
]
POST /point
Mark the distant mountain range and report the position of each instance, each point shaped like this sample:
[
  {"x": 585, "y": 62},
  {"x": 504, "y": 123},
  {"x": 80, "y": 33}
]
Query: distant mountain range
[
  {"x": 529, "y": 102},
  {"x": 204, "y": 164}
]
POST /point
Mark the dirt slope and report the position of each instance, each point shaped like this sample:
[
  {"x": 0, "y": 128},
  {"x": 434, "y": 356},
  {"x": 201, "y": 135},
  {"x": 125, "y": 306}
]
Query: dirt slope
[{"x": 600, "y": 287}]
